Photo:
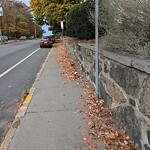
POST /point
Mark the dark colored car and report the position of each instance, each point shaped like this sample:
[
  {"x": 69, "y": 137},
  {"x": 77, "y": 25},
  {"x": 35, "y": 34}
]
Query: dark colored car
[
  {"x": 46, "y": 42},
  {"x": 53, "y": 38}
]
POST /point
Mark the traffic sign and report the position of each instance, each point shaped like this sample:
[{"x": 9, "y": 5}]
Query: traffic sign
[
  {"x": 1, "y": 11},
  {"x": 62, "y": 25}
]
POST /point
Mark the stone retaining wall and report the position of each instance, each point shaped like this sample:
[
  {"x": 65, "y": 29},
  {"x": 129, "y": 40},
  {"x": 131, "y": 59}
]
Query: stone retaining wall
[{"x": 124, "y": 85}]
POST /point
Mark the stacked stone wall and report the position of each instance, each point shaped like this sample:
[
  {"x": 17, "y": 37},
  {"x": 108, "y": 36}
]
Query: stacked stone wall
[{"x": 124, "y": 85}]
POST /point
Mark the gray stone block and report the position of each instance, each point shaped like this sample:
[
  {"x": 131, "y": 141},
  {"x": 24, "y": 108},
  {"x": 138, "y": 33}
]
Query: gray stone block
[
  {"x": 143, "y": 65},
  {"x": 125, "y": 60},
  {"x": 145, "y": 99},
  {"x": 125, "y": 77},
  {"x": 146, "y": 147},
  {"x": 148, "y": 135},
  {"x": 127, "y": 118}
]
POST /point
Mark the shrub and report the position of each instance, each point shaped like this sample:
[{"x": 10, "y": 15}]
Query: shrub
[
  {"x": 127, "y": 24},
  {"x": 78, "y": 24}
]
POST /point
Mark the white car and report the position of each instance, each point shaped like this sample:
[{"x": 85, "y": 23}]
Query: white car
[{"x": 3, "y": 38}]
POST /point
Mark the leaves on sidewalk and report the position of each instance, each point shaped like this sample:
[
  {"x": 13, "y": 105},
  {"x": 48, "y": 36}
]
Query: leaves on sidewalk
[
  {"x": 67, "y": 65},
  {"x": 101, "y": 126}
]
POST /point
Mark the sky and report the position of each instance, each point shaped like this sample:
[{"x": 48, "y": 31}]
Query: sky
[{"x": 44, "y": 27}]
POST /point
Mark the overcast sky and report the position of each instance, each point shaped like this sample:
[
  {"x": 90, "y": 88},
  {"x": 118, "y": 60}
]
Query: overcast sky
[{"x": 45, "y": 27}]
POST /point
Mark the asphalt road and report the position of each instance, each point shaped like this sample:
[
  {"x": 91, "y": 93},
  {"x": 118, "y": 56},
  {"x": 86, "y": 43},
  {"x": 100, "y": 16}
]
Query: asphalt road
[{"x": 19, "y": 64}]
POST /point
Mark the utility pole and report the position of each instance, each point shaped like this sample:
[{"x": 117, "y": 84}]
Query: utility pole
[
  {"x": 96, "y": 50},
  {"x": 35, "y": 31}
]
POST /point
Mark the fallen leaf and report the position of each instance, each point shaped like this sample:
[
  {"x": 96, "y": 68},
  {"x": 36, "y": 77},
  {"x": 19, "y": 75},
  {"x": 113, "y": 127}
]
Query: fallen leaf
[
  {"x": 111, "y": 136},
  {"x": 101, "y": 120},
  {"x": 78, "y": 111}
]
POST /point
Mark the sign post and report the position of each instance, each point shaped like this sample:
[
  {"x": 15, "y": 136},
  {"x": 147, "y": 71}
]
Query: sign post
[
  {"x": 96, "y": 50},
  {"x": 35, "y": 31},
  {"x": 62, "y": 28}
]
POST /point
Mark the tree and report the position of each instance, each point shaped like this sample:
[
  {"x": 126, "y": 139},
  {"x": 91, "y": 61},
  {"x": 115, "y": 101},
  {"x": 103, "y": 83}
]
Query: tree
[
  {"x": 78, "y": 24},
  {"x": 38, "y": 8},
  {"x": 52, "y": 12},
  {"x": 55, "y": 13},
  {"x": 127, "y": 24},
  {"x": 17, "y": 19}
]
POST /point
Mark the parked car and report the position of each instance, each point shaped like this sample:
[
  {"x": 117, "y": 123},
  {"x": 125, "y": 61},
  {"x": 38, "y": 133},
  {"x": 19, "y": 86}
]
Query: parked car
[
  {"x": 46, "y": 41},
  {"x": 23, "y": 38},
  {"x": 3, "y": 39},
  {"x": 31, "y": 37},
  {"x": 52, "y": 38}
]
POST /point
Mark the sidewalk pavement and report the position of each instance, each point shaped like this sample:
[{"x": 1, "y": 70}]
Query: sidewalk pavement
[{"x": 50, "y": 122}]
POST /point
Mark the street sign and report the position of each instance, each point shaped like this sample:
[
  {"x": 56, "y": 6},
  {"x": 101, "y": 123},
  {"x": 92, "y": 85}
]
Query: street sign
[
  {"x": 62, "y": 25},
  {"x": 1, "y": 11}
]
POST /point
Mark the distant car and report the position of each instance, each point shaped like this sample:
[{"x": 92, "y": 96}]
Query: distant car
[
  {"x": 3, "y": 38},
  {"x": 23, "y": 38},
  {"x": 31, "y": 37},
  {"x": 53, "y": 38},
  {"x": 46, "y": 42}
]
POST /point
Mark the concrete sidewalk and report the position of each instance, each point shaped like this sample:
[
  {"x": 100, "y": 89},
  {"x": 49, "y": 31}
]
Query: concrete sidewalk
[{"x": 50, "y": 122}]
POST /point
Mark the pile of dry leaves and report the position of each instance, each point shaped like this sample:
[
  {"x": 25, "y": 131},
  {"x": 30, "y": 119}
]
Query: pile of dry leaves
[
  {"x": 101, "y": 126},
  {"x": 67, "y": 65}
]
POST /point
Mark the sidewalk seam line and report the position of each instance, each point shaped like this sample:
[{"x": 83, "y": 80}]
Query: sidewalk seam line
[{"x": 33, "y": 112}]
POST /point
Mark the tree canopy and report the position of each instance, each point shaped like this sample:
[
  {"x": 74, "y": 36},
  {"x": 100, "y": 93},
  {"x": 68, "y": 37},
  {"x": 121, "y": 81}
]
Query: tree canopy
[
  {"x": 78, "y": 24},
  {"x": 52, "y": 12},
  {"x": 17, "y": 19}
]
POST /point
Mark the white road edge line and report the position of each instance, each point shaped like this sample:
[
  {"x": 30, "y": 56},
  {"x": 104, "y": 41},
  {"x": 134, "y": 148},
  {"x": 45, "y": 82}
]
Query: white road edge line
[{"x": 7, "y": 71}]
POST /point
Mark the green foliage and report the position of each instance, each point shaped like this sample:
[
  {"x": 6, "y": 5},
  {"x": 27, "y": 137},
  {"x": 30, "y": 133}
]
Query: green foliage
[
  {"x": 38, "y": 8},
  {"x": 52, "y": 12},
  {"x": 55, "y": 13},
  {"x": 127, "y": 24},
  {"x": 73, "y": 1},
  {"x": 78, "y": 24}
]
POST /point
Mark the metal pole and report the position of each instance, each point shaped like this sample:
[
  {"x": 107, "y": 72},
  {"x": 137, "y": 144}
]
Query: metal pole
[
  {"x": 96, "y": 51},
  {"x": 62, "y": 36},
  {"x": 35, "y": 33},
  {"x": 62, "y": 28},
  {"x": 0, "y": 28}
]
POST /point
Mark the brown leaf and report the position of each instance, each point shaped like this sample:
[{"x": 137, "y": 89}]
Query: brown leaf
[
  {"x": 101, "y": 121},
  {"x": 78, "y": 111},
  {"x": 90, "y": 125},
  {"x": 81, "y": 96},
  {"x": 111, "y": 136}
]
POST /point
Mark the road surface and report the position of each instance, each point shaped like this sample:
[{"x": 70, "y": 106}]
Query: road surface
[{"x": 19, "y": 64}]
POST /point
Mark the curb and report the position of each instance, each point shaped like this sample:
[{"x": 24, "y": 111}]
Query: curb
[{"x": 22, "y": 110}]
